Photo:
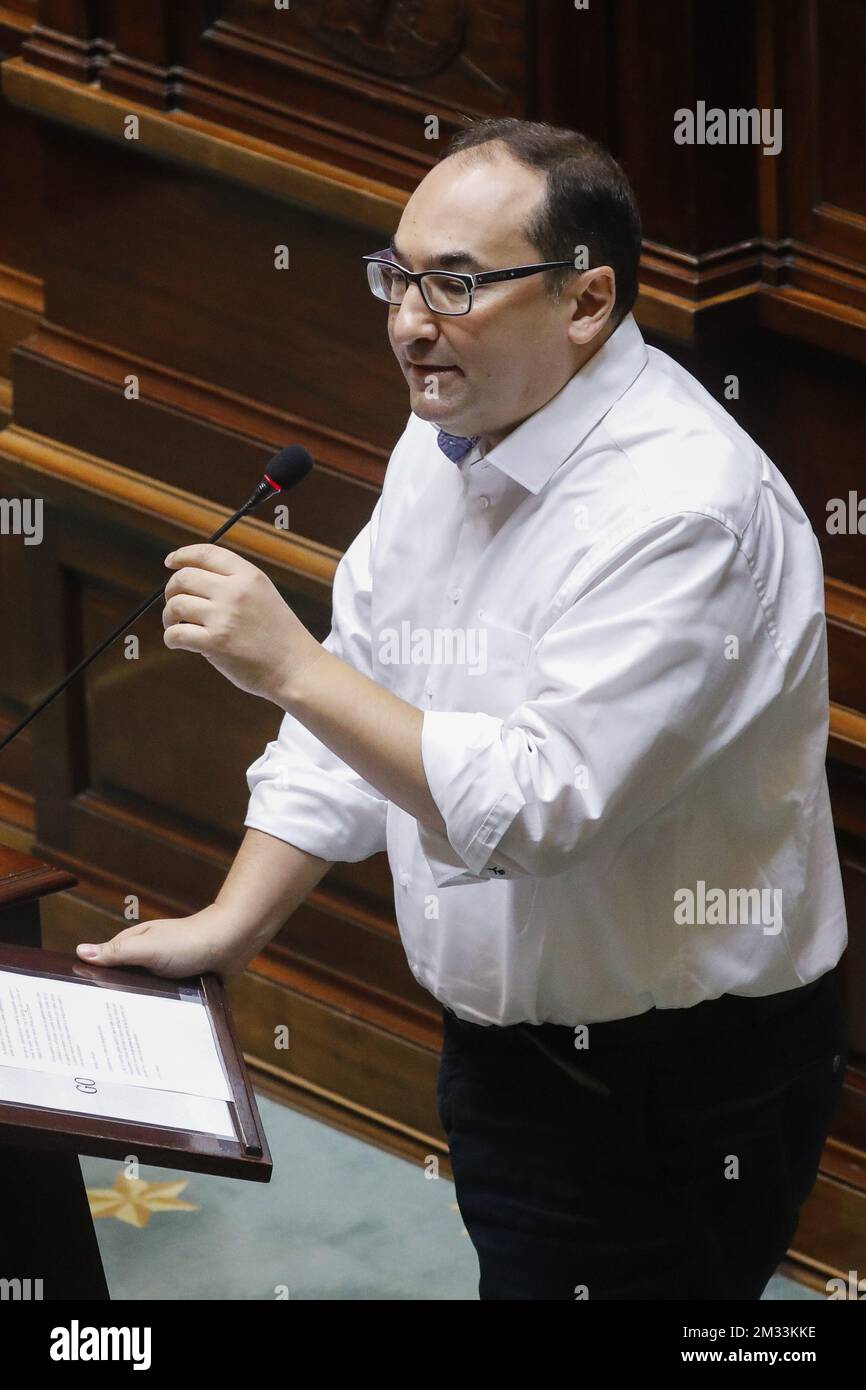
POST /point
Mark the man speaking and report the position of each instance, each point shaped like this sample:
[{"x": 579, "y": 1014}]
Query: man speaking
[{"x": 576, "y": 686}]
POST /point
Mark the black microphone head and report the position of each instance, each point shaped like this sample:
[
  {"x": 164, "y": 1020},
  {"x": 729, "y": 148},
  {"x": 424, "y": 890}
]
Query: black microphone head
[{"x": 289, "y": 466}]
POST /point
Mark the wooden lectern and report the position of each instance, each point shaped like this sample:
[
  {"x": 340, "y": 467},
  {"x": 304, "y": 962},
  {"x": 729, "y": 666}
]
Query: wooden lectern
[{"x": 46, "y": 1230}]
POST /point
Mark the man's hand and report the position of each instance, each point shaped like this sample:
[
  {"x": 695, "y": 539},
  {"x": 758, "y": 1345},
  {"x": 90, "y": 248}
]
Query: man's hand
[
  {"x": 220, "y": 605},
  {"x": 207, "y": 940}
]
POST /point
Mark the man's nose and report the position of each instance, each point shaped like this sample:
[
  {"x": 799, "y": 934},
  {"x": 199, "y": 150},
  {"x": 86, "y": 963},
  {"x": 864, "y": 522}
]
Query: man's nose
[{"x": 412, "y": 318}]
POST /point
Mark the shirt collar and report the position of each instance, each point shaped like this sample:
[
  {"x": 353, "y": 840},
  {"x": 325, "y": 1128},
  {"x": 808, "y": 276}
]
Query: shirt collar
[{"x": 533, "y": 451}]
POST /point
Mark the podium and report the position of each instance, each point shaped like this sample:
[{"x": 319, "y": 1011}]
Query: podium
[{"x": 46, "y": 1230}]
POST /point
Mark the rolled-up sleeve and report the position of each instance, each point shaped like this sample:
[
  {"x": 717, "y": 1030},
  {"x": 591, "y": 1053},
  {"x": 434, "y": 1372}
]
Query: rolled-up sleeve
[
  {"x": 662, "y": 657},
  {"x": 299, "y": 790}
]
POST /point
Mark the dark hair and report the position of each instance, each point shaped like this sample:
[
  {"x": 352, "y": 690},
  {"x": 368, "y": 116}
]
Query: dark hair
[{"x": 588, "y": 201}]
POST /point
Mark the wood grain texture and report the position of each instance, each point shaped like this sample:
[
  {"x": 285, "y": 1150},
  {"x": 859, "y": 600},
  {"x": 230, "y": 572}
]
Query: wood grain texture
[{"x": 728, "y": 230}]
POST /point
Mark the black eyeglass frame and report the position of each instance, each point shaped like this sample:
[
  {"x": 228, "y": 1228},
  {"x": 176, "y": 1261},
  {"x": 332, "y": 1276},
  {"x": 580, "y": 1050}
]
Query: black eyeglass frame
[{"x": 469, "y": 281}]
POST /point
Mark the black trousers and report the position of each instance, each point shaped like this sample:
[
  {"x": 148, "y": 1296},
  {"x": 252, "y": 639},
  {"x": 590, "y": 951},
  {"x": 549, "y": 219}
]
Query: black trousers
[{"x": 667, "y": 1160}]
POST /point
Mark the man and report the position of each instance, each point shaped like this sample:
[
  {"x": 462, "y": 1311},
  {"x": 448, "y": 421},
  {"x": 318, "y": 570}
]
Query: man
[{"x": 576, "y": 685}]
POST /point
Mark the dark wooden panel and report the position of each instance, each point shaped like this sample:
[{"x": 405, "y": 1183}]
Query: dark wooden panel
[
  {"x": 191, "y": 437},
  {"x": 839, "y": 60},
  {"x": 21, "y": 681},
  {"x": 853, "y": 971},
  {"x": 70, "y": 37},
  {"x": 180, "y": 270},
  {"x": 17, "y": 18},
  {"x": 22, "y": 188},
  {"x": 460, "y": 54},
  {"x": 727, "y": 229},
  {"x": 325, "y": 73},
  {"x": 697, "y": 198},
  {"x": 821, "y": 52},
  {"x": 108, "y": 740}
]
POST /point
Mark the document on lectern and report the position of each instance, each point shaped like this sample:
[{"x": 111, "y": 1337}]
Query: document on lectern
[
  {"x": 134, "y": 1056},
  {"x": 122, "y": 1046}
]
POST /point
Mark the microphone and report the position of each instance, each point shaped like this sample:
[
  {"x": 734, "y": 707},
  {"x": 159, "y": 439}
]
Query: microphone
[{"x": 288, "y": 467}]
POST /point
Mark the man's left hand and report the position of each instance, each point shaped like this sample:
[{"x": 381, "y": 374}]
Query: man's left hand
[{"x": 220, "y": 605}]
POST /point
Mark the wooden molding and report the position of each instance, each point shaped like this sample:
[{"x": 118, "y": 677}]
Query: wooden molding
[
  {"x": 24, "y": 878},
  {"x": 21, "y": 291},
  {"x": 846, "y": 612},
  {"x": 822, "y": 299},
  {"x": 845, "y": 605},
  {"x": 165, "y": 507},
  {"x": 847, "y": 742},
  {"x": 178, "y": 391},
  {"x": 206, "y": 145},
  {"x": 15, "y": 25}
]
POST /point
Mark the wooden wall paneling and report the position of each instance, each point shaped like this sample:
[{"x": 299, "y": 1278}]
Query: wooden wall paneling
[
  {"x": 191, "y": 435},
  {"x": 69, "y": 37},
  {"x": 147, "y": 47},
  {"x": 697, "y": 198},
  {"x": 328, "y": 84},
  {"x": 395, "y": 1079},
  {"x": 20, "y": 302},
  {"x": 22, "y": 201},
  {"x": 817, "y": 203},
  {"x": 458, "y": 57},
  {"x": 95, "y": 562},
  {"x": 298, "y": 79},
  {"x": 846, "y": 639},
  {"x": 229, "y": 153},
  {"x": 180, "y": 301},
  {"x": 80, "y": 19},
  {"x": 20, "y": 679},
  {"x": 852, "y": 854},
  {"x": 702, "y": 260},
  {"x": 17, "y": 18},
  {"x": 195, "y": 289},
  {"x": 22, "y": 196},
  {"x": 829, "y": 1237},
  {"x": 573, "y": 75},
  {"x": 821, "y": 51}
]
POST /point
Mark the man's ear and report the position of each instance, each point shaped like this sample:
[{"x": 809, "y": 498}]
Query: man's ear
[{"x": 594, "y": 298}]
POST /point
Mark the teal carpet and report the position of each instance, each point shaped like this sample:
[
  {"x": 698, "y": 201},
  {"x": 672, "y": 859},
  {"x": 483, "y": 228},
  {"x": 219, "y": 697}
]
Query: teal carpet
[{"x": 340, "y": 1219}]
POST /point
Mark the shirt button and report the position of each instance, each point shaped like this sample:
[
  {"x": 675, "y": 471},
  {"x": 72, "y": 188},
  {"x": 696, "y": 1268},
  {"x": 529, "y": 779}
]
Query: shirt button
[
  {"x": 456, "y": 595},
  {"x": 483, "y": 502},
  {"x": 404, "y": 879}
]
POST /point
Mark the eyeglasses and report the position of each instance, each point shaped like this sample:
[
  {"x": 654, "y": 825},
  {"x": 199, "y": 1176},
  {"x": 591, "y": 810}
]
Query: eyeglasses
[{"x": 443, "y": 291}]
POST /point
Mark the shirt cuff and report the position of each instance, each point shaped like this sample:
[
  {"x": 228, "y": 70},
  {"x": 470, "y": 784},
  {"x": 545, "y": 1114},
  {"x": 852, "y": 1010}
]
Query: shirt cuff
[
  {"x": 322, "y": 812},
  {"x": 474, "y": 787}
]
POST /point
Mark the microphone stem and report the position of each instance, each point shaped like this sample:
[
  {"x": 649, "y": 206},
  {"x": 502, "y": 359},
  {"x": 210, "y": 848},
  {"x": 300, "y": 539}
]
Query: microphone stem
[{"x": 112, "y": 636}]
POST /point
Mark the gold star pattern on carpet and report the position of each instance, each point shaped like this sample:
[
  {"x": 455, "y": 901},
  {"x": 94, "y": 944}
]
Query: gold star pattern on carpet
[{"x": 134, "y": 1201}]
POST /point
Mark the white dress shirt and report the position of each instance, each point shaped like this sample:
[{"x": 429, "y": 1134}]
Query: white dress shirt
[{"x": 614, "y": 624}]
